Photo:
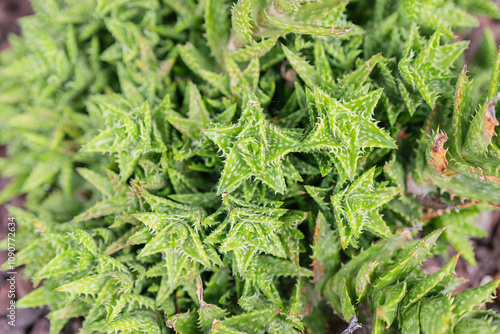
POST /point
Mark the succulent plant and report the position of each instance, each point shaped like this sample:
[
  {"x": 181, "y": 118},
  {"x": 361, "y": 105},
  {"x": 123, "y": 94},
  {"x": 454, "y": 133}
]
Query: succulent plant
[{"x": 250, "y": 166}]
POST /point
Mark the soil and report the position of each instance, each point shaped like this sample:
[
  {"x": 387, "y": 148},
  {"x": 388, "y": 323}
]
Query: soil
[
  {"x": 34, "y": 321},
  {"x": 10, "y": 11}
]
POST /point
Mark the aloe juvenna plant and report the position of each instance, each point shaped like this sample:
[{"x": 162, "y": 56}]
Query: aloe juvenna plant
[{"x": 251, "y": 166}]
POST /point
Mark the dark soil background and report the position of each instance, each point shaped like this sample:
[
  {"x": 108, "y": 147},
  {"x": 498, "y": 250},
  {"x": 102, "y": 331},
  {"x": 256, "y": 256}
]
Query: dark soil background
[
  {"x": 33, "y": 320},
  {"x": 10, "y": 11}
]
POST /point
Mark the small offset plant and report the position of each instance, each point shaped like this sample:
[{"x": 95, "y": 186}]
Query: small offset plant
[{"x": 251, "y": 166}]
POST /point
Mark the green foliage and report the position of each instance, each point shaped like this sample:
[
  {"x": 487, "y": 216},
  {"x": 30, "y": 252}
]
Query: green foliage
[{"x": 213, "y": 166}]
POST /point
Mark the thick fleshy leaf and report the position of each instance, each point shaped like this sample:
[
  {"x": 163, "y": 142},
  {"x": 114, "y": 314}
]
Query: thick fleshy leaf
[
  {"x": 250, "y": 147},
  {"x": 468, "y": 299},
  {"x": 435, "y": 314},
  {"x": 408, "y": 261},
  {"x": 357, "y": 204}
]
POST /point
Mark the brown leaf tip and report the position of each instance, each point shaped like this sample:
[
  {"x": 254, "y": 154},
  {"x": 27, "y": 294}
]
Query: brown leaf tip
[
  {"x": 490, "y": 121},
  {"x": 318, "y": 269},
  {"x": 438, "y": 153}
]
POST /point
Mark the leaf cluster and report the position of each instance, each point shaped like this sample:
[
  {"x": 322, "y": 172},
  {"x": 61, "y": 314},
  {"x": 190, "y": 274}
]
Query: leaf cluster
[{"x": 250, "y": 166}]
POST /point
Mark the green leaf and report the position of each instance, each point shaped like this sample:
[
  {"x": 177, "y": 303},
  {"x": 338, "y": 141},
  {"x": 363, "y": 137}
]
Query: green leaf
[
  {"x": 358, "y": 204},
  {"x": 219, "y": 328},
  {"x": 364, "y": 278},
  {"x": 306, "y": 29},
  {"x": 37, "y": 298},
  {"x": 326, "y": 249},
  {"x": 346, "y": 303},
  {"x": 43, "y": 173},
  {"x": 461, "y": 228},
  {"x": 208, "y": 314},
  {"x": 411, "y": 319},
  {"x": 103, "y": 208},
  {"x": 435, "y": 314},
  {"x": 137, "y": 322},
  {"x": 460, "y": 111},
  {"x": 408, "y": 261},
  {"x": 466, "y": 300},
  {"x": 252, "y": 147},
  {"x": 425, "y": 285},
  {"x": 87, "y": 285},
  {"x": 306, "y": 72},
  {"x": 344, "y": 129},
  {"x": 195, "y": 62},
  {"x": 483, "y": 123},
  {"x": 431, "y": 66},
  {"x": 473, "y": 326},
  {"x": 253, "y": 321},
  {"x": 184, "y": 323},
  {"x": 87, "y": 240},
  {"x": 393, "y": 295},
  {"x": 241, "y": 22},
  {"x": 61, "y": 264}
]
